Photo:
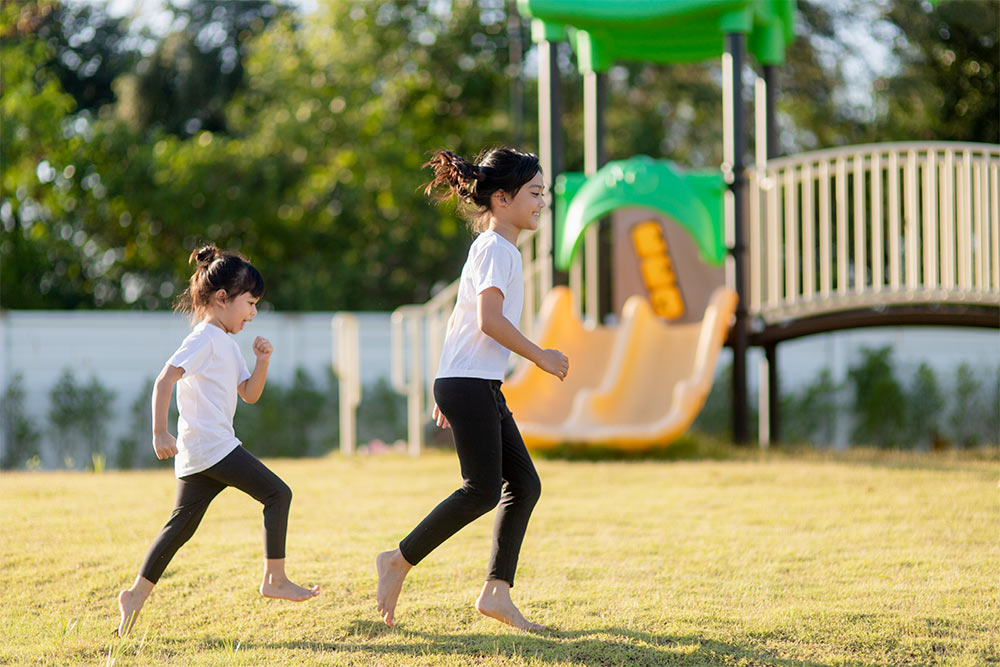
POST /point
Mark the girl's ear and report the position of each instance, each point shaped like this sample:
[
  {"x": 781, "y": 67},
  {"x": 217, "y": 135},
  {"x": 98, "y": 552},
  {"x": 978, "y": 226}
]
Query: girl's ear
[
  {"x": 501, "y": 198},
  {"x": 220, "y": 297}
]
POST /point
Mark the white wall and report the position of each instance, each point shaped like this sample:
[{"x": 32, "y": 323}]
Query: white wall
[{"x": 126, "y": 349}]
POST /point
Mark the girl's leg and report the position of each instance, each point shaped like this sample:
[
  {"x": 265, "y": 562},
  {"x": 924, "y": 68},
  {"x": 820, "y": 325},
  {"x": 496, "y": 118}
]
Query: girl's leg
[
  {"x": 471, "y": 409},
  {"x": 194, "y": 493},
  {"x": 521, "y": 490},
  {"x": 244, "y": 471}
]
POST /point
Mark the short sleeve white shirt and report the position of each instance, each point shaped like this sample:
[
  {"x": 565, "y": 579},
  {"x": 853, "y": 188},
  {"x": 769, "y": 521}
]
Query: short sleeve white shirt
[
  {"x": 206, "y": 397},
  {"x": 468, "y": 352}
]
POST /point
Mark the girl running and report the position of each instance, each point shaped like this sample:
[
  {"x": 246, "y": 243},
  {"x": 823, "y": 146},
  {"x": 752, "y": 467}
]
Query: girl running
[
  {"x": 210, "y": 372},
  {"x": 502, "y": 194}
]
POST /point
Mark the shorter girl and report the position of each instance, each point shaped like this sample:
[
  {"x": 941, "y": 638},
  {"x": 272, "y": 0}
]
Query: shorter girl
[{"x": 209, "y": 372}]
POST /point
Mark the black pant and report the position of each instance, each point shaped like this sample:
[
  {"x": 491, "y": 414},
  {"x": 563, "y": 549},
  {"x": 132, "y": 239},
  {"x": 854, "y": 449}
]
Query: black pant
[
  {"x": 194, "y": 492},
  {"x": 495, "y": 468}
]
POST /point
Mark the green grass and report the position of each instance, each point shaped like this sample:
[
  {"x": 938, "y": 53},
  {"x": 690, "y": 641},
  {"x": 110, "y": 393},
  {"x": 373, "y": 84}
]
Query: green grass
[{"x": 760, "y": 559}]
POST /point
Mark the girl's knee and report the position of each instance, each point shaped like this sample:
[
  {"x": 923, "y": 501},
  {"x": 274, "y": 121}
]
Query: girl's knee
[
  {"x": 483, "y": 498},
  {"x": 280, "y": 495},
  {"x": 538, "y": 488},
  {"x": 526, "y": 491},
  {"x": 531, "y": 490}
]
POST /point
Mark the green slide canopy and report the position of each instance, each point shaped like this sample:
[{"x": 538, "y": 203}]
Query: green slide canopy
[
  {"x": 692, "y": 199},
  {"x": 662, "y": 31}
]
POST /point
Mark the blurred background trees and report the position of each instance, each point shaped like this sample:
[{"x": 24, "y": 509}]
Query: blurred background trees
[{"x": 298, "y": 137}]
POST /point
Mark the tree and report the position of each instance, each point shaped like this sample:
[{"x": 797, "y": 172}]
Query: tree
[
  {"x": 878, "y": 402},
  {"x": 946, "y": 87},
  {"x": 20, "y": 436},
  {"x": 78, "y": 415},
  {"x": 40, "y": 258},
  {"x": 300, "y": 141},
  {"x": 89, "y": 50},
  {"x": 993, "y": 408},
  {"x": 810, "y": 414},
  {"x": 195, "y": 70},
  {"x": 924, "y": 408},
  {"x": 968, "y": 414}
]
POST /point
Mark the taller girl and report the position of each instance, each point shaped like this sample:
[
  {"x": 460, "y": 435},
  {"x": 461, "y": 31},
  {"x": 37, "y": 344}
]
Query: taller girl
[{"x": 502, "y": 193}]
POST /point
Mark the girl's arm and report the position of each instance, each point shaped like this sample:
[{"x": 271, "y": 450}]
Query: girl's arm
[
  {"x": 492, "y": 323},
  {"x": 251, "y": 388},
  {"x": 164, "y": 444}
]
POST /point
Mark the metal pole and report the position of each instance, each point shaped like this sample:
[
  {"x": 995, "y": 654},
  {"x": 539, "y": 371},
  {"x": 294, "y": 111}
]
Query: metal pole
[
  {"x": 594, "y": 102},
  {"x": 516, "y": 83},
  {"x": 550, "y": 152},
  {"x": 773, "y": 393},
  {"x": 770, "y": 110},
  {"x": 735, "y": 43},
  {"x": 773, "y": 151}
]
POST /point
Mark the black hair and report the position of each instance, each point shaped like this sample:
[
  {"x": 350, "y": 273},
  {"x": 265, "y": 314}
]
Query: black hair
[
  {"x": 218, "y": 269},
  {"x": 473, "y": 183}
]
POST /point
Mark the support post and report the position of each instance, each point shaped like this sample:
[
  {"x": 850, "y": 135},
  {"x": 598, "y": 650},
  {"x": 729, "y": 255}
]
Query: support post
[
  {"x": 550, "y": 154},
  {"x": 770, "y": 110},
  {"x": 773, "y": 151},
  {"x": 596, "y": 254},
  {"x": 763, "y": 408},
  {"x": 407, "y": 325},
  {"x": 347, "y": 366},
  {"x": 773, "y": 393},
  {"x": 516, "y": 83},
  {"x": 735, "y": 46}
]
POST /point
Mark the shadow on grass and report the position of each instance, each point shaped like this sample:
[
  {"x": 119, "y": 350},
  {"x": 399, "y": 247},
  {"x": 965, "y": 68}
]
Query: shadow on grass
[{"x": 595, "y": 647}]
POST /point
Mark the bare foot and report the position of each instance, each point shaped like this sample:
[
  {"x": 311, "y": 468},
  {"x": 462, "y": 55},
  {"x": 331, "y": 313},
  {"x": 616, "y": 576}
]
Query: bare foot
[
  {"x": 392, "y": 569},
  {"x": 286, "y": 590},
  {"x": 130, "y": 603},
  {"x": 495, "y": 602}
]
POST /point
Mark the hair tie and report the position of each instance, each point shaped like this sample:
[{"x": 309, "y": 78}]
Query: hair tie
[{"x": 480, "y": 173}]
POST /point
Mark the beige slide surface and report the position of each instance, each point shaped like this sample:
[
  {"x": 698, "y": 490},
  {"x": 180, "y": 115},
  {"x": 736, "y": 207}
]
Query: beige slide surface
[{"x": 632, "y": 386}]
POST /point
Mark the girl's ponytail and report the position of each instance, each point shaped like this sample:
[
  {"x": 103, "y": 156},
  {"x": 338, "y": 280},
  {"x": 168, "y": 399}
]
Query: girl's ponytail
[
  {"x": 454, "y": 176},
  {"x": 204, "y": 256}
]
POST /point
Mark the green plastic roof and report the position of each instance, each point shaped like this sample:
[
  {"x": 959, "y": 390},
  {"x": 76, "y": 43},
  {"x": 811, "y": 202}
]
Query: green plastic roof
[
  {"x": 664, "y": 31},
  {"x": 692, "y": 199}
]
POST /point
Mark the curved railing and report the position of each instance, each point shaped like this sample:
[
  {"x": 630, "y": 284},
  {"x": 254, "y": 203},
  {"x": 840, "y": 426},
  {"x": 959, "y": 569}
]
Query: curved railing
[{"x": 881, "y": 224}]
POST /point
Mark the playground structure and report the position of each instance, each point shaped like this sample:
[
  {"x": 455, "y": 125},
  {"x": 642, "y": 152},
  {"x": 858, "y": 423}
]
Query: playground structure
[{"x": 890, "y": 234}]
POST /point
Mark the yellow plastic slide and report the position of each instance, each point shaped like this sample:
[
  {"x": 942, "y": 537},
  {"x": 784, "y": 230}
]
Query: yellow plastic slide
[{"x": 638, "y": 384}]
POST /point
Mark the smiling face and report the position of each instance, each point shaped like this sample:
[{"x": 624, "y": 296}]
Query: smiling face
[
  {"x": 529, "y": 202},
  {"x": 233, "y": 314},
  {"x": 520, "y": 212}
]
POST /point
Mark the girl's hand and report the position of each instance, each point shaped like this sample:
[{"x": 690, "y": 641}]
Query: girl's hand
[
  {"x": 439, "y": 418},
  {"x": 554, "y": 362},
  {"x": 262, "y": 348},
  {"x": 165, "y": 445}
]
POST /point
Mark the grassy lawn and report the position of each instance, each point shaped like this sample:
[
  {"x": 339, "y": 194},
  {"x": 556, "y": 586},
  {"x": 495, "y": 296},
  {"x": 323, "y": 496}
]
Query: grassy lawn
[{"x": 759, "y": 559}]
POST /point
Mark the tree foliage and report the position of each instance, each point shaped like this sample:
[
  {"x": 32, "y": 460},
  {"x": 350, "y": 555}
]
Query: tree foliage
[
  {"x": 879, "y": 405},
  {"x": 299, "y": 140}
]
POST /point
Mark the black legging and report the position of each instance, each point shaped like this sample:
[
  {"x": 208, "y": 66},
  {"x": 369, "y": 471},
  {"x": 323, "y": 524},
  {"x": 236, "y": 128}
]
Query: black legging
[
  {"x": 194, "y": 492},
  {"x": 495, "y": 468}
]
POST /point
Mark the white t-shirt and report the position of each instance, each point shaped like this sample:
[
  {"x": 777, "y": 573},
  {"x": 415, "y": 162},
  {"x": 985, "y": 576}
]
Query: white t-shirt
[
  {"x": 468, "y": 352},
  {"x": 206, "y": 397}
]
